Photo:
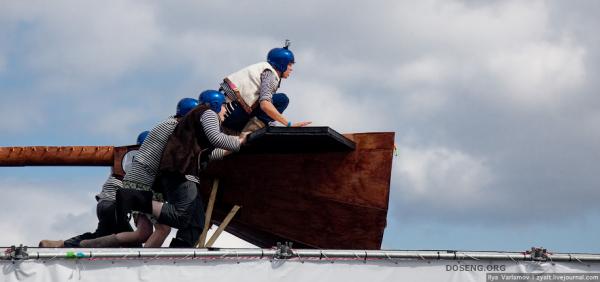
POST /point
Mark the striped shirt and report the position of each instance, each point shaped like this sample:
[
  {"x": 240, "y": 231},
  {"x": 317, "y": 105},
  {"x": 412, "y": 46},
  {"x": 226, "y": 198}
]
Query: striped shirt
[
  {"x": 109, "y": 189},
  {"x": 212, "y": 129},
  {"x": 268, "y": 86},
  {"x": 144, "y": 167},
  {"x": 217, "y": 154}
]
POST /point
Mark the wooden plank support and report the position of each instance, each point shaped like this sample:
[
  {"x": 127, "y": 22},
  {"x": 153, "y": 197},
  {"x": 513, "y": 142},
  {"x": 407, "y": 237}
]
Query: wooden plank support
[
  {"x": 207, "y": 217},
  {"x": 222, "y": 226}
]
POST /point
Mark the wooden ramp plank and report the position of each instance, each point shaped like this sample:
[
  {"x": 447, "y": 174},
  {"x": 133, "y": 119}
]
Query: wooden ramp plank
[{"x": 298, "y": 140}]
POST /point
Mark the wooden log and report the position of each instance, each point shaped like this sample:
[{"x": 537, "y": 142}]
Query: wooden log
[{"x": 57, "y": 156}]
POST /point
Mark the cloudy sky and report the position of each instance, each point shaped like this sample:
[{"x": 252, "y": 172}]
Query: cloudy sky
[{"x": 494, "y": 103}]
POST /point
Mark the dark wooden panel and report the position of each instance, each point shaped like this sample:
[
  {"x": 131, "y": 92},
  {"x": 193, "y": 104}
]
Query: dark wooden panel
[
  {"x": 320, "y": 200},
  {"x": 297, "y": 140}
]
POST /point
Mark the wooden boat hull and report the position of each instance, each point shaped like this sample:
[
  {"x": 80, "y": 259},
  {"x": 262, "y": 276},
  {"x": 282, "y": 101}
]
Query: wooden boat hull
[{"x": 335, "y": 200}]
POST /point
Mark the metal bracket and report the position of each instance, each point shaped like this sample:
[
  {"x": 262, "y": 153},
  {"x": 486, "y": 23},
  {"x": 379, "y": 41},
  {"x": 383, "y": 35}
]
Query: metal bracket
[
  {"x": 538, "y": 254},
  {"x": 16, "y": 253},
  {"x": 284, "y": 251}
]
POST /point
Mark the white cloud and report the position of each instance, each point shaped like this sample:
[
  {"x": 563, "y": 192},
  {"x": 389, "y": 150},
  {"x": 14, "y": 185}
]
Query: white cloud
[
  {"x": 468, "y": 29},
  {"x": 212, "y": 55},
  {"x": 508, "y": 49},
  {"x": 73, "y": 43},
  {"x": 422, "y": 103},
  {"x": 539, "y": 72},
  {"x": 440, "y": 178},
  {"x": 425, "y": 70},
  {"x": 422, "y": 82},
  {"x": 325, "y": 105},
  {"x": 39, "y": 210}
]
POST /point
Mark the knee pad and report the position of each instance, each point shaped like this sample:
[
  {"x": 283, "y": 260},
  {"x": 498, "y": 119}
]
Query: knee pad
[
  {"x": 280, "y": 101},
  {"x": 183, "y": 219}
]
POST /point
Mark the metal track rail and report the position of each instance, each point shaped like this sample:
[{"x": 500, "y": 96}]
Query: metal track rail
[{"x": 288, "y": 253}]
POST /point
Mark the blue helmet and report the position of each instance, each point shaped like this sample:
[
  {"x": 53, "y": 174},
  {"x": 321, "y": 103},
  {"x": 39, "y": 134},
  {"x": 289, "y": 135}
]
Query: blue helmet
[
  {"x": 213, "y": 98},
  {"x": 185, "y": 105},
  {"x": 280, "y": 58},
  {"x": 142, "y": 136}
]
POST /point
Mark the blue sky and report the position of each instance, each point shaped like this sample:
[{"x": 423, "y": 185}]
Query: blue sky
[{"x": 494, "y": 103}]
